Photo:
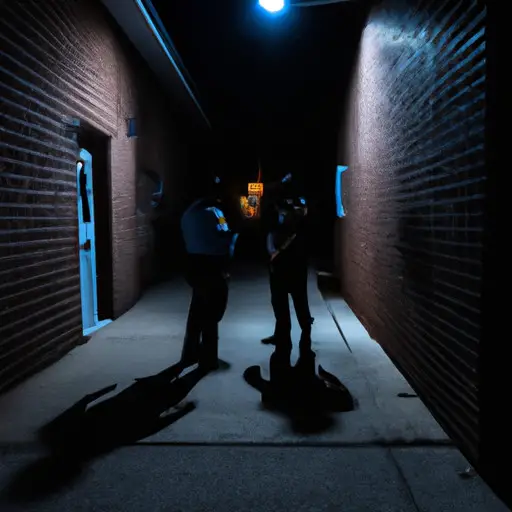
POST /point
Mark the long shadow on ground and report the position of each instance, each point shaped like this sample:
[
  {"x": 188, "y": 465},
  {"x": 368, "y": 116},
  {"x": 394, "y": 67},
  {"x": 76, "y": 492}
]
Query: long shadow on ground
[
  {"x": 308, "y": 399},
  {"x": 86, "y": 431}
]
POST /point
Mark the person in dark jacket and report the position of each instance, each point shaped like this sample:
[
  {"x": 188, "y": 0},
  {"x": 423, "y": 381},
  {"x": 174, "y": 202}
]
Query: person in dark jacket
[
  {"x": 288, "y": 255},
  {"x": 209, "y": 243}
]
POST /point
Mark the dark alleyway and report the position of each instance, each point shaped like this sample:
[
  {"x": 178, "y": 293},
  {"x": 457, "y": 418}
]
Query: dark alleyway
[{"x": 114, "y": 112}]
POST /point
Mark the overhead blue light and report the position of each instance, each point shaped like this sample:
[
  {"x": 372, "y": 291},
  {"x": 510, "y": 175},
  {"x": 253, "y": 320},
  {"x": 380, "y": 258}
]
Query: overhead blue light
[{"x": 272, "y": 6}]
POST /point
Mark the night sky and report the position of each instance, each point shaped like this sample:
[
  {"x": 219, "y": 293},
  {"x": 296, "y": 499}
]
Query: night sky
[{"x": 273, "y": 87}]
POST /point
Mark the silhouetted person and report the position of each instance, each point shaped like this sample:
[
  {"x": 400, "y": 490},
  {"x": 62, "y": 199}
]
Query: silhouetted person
[
  {"x": 209, "y": 243},
  {"x": 287, "y": 250}
]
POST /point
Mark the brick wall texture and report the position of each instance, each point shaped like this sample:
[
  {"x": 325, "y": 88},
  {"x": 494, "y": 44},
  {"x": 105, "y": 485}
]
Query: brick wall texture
[
  {"x": 410, "y": 246},
  {"x": 68, "y": 58}
]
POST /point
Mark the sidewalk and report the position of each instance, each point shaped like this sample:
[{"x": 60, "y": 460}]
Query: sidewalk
[{"x": 229, "y": 454}]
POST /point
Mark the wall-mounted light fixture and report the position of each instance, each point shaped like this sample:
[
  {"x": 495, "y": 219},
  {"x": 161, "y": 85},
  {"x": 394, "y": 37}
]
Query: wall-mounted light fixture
[
  {"x": 72, "y": 127},
  {"x": 340, "y": 211},
  {"x": 132, "y": 127}
]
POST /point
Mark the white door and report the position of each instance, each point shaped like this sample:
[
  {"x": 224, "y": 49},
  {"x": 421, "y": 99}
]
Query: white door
[{"x": 87, "y": 242}]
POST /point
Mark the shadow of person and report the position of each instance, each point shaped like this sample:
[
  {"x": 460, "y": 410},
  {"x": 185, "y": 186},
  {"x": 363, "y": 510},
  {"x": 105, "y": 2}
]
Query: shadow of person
[
  {"x": 86, "y": 431},
  {"x": 308, "y": 399}
]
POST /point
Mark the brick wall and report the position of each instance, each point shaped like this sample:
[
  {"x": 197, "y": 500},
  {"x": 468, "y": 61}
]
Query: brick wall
[
  {"x": 68, "y": 58},
  {"x": 410, "y": 246}
]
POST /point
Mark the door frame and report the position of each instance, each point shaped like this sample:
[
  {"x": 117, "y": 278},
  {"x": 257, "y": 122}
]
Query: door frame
[{"x": 86, "y": 234}]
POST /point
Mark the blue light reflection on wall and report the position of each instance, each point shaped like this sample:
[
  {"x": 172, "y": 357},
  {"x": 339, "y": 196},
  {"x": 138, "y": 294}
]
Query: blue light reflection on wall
[
  {"x": 340, "y": 211},
  {"x": 132, "y": 128}
]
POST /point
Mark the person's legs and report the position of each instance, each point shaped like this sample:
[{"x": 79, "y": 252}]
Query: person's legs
[
  {"x": 299, "y": 295},
  {"x": 221, "y": 297},
  {"x": 281, "y": 306},
  {"x": 191, "y": 344},
  {"x": 216, "y": 297},
  {"x": 301, "y": 305},
  {"x": 270, "y": 340}
]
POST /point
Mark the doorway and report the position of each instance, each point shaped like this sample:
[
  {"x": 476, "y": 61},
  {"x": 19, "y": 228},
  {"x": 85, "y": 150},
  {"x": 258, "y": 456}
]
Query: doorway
[{"x": 94, "y": 227}]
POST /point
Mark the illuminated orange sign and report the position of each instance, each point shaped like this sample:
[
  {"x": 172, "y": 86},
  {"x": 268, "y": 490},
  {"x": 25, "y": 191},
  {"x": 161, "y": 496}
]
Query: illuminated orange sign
[
  {"x": 255, "y": 189},
  {"x": 250, "y": 206}
]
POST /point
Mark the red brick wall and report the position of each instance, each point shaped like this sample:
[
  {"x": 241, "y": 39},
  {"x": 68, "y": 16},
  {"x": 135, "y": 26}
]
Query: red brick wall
[
  {"x": 68, "y": 58},
  {"x": 410, "y": 248}
]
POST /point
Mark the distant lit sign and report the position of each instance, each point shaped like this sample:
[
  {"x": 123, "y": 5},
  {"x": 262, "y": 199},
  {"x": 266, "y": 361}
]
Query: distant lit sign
[{"x": 255, "y": 189}]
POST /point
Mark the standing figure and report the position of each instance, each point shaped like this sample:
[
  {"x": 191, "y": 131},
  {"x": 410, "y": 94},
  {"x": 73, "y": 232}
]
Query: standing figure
[
  {"x": 209, "y": 244},
  {"x": 287, "y": 250}
]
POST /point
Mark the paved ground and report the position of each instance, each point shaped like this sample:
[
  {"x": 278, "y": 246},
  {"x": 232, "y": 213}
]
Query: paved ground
[
  {"x": 229, "y": 454},
  {"x": 183, "y": 479}
]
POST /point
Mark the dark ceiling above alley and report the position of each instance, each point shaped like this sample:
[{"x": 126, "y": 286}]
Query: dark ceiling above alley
[{"x": 264, "y": 80}]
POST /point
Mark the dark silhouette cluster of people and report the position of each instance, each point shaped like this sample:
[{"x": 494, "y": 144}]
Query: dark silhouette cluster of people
[{"x": 93, "y": 426}]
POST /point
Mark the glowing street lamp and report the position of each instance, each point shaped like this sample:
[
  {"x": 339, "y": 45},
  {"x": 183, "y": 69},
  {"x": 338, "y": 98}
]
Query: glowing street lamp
[
  {"x": 272, "y": 6},
  {"x": 276, "y": 6}
]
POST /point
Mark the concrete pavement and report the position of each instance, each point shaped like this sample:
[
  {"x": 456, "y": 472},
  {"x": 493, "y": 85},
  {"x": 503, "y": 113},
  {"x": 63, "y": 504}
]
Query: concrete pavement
[{"x": 229, "y": 454}]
